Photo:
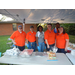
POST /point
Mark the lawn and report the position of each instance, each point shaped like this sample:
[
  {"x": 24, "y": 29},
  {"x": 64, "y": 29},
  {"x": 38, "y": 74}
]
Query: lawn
[{"x": 3, "y": 41}]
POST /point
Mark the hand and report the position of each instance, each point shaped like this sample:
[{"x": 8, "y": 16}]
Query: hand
[
  {"x": 65, "y": 49},
  {"x": 48, "y": 46},
  {"x": 14, "y": 42},
  {"x": 37, "y": 44}
]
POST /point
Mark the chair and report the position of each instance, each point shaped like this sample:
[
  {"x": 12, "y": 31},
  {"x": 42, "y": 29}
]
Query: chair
[{"x": 9, "y": 42}]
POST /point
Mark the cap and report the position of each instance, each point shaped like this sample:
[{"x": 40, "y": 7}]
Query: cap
[
  {"x": 31, "y": 27},
  {"x": 19, "y": 26}
]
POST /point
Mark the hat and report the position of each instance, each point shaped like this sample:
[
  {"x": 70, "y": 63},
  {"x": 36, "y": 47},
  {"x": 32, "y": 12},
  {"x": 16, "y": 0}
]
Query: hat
[
  {"x": 19, "y": 26},
  {"x": 31, "y": 27}
]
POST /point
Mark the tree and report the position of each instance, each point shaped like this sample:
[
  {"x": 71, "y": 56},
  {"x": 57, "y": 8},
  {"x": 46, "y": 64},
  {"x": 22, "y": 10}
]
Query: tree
[{"x": 3, "y": 18}]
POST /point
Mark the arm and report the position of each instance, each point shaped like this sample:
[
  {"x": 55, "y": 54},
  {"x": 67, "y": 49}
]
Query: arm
[
  {"x": 27, "y": 38},
  {"x": 47, "y": 43},
  {"x": 55, "y": 42},
  {"x": 37, "y": 41},
  {"x": 13, "y": 41},
  {"x": 26, "y": 41},
  {"x": 12, "y": 37},
  {"x": 67, "y": 43}
]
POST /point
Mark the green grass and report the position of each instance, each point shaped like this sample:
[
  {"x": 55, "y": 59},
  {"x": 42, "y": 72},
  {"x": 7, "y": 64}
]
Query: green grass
[{"x": 3, "y": 45}]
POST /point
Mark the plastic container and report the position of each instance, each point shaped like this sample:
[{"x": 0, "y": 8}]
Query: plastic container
[
  {"x": 0, "y": 54},
  {"x": 26, "y": 53}
]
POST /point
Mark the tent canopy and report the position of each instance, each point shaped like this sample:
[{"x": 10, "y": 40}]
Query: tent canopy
[{"x": 41, "y": 15}]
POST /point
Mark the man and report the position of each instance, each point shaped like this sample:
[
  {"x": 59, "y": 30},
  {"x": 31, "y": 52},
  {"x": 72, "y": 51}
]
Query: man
[
  {"x": 57, "y": 27},
  {"x": 31, "y": 38},
  {"x": 49, "y": 37},
  {"x": 18, "y": 38}
]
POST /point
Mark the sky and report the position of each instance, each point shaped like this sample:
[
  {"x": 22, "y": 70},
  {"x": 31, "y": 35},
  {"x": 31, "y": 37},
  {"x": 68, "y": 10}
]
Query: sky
[{"x": 7, "y": 18}]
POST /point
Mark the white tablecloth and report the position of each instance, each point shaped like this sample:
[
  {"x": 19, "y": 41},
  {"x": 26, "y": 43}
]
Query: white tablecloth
[
  {"x": 71, "y": 58},
  {"x": 36, "y": 60}
]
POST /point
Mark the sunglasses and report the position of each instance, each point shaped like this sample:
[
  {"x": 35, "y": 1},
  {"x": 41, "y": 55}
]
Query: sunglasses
[{"x": 20, "y": 28}]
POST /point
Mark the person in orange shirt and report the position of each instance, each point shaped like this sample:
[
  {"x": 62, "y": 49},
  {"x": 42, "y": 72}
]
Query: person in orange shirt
[
  {"x": 62, "y": 40},
  {"x": 18, "y": 38},
  {"x": 31, "y": 38},
  {"x": 49, "y": 37}
]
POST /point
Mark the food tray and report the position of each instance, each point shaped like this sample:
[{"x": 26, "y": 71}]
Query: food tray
[{"x": 26, "y": 53}]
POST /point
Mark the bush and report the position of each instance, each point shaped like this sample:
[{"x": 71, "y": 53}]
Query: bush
[{"x": 72, "y": 29}]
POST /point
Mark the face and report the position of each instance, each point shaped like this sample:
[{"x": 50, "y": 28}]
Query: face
[
  {"x": 49, "y": 27},
  {"x": 57, "y": 25},
  {"x": 31, "y": 29},
  {"x": 60, "y": 30},
  {"x": 20, "y": 29},
  {"x": 40, "y": 29}
]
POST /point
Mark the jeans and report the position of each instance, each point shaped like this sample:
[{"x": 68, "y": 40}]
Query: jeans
[
  {"x": 32, "y": 45},
  {"x": 41, "y": 46},
  {"x": 61, "y": 51},
  {"x": 21, "y": 48},
  {"x": 50, "y": 47}
]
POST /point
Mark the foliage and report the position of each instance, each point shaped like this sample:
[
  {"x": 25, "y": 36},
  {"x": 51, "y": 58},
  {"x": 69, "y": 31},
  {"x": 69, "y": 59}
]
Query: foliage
[
  {"x": 3, "y": 18},
  {"x": 69, "y": 27}
]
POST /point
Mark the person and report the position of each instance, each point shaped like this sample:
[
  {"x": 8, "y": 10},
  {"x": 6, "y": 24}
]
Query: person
[
  {"x": 18, "y": 38},
  {"x": 62, "y": 40},
  {"x": 57, "y": 25},
  {"x": 40, "y": 39},
  {"x": 49, "y": 37},
  {"x": 31, "y": 38}
]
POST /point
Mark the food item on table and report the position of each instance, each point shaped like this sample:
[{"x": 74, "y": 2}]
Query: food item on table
[
  {"x": 51, "y": 55},
  {"x": 26, "y": 52}
]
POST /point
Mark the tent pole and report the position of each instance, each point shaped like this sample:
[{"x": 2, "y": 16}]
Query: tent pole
[{"x": 23, "y": 24}]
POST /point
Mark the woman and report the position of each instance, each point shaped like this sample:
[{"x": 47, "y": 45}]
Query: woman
[
  {"x": 62, "y": 40},
  {"x": 40, "y": 39}
]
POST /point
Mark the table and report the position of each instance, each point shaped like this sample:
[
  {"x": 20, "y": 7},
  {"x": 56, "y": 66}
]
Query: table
[
  {"x": 71, "y": 58},
  {"x": 36, "y": 60}
]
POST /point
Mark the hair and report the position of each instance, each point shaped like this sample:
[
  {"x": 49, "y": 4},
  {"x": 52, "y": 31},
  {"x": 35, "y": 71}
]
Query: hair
[
  {"x": 63, "y": 29},
  {"x": 49, "y": 24},
  {"x": 39, "y": 27},
  {"x": 57, "y": 23}
]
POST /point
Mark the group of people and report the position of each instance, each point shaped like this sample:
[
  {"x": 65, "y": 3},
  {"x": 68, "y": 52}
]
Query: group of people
[{"x": 51, "y": 37}]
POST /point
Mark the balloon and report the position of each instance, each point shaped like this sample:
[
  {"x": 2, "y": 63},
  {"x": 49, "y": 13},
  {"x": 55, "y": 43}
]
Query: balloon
[{"x": 55, "y": 30}]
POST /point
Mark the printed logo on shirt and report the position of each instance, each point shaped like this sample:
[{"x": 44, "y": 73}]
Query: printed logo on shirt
[
  {"x": 57, "y": 34},
  {"x": 29, "y": 34},
  {"x": 49, "y": 32}
]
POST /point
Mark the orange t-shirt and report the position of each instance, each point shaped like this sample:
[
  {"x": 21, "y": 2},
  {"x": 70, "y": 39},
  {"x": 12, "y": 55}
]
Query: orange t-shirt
[
  {"x": 61, "y": 40},
  {"x": 50, "y": 36},
  {"x": 31, "y": 37},
  {"x": 19, "y": 38}
]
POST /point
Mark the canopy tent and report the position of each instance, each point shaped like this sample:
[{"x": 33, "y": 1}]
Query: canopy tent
[{"x": 41, "y": 15}]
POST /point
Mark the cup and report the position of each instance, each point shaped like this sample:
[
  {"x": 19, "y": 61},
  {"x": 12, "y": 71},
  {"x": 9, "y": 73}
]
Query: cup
[{"x": 0, "y": 54}]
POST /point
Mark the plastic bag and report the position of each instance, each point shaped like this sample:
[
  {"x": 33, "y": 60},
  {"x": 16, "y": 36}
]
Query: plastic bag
[{"x": 12, "y": 52}]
